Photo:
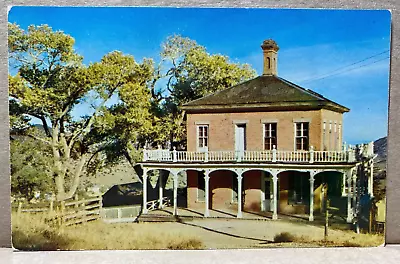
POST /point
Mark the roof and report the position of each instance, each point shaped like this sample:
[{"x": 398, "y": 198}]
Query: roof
[{"x": 267, "y": 92}]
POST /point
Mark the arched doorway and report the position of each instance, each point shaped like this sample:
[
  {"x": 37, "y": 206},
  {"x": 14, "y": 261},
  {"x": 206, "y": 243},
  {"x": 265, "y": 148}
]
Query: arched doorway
[
  {"x": 294, "y": 192},
  {"x": 329, "y": 185}
]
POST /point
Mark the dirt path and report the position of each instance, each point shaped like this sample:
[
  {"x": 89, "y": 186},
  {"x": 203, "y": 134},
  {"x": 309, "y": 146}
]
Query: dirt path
[{"x": 231, "y": 233}]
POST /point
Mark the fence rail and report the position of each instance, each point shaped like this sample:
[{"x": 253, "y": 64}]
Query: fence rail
[
  {"x": 67, "y": 213},
  {"x": 274, "y": 155}
]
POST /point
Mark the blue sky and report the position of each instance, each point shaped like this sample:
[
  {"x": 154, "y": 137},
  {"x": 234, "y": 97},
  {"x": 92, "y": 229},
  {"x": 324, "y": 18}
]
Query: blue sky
[{"x": 313, "y": 44}]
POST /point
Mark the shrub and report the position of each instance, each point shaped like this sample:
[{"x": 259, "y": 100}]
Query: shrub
[
  {"x": 284, "y": 237},
  {"x": 191, "y": 243}
]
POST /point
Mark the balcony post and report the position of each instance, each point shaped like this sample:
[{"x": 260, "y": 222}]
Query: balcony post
[
  {"x": 174, "y": 156},
  {"x": 144, "y": 192},
  {"x": 273, "y": 153},
  {"x": 207, "y": 195},
  {"x": 352, "y": 157},
  {"x": 311, "y": 154},
  {"x": 206, "y": 156}
]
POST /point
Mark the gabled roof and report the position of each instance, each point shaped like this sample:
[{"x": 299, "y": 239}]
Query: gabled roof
[{"x": 267, "y": 92}]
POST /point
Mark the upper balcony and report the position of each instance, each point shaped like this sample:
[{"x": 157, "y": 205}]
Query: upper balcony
[{"x": 250, "y": 156}]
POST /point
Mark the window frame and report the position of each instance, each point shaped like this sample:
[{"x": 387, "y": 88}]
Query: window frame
[
  {"x": 273, "y": 140},
  {"x": 203, "y": 138},
  {"x": 302, "y": 136}
]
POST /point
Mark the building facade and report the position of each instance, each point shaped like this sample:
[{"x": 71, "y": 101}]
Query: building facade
[{"x": 265, "y": 145}]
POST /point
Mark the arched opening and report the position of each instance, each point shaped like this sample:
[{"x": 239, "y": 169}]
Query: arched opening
[
  {"x": 329, "y": 185},
  {"x": 223, "y": 190},
  {"x": 294, "y": 192},
  {"x": 269, "y": 62},
  {"x": 257, "y": 191},
  {"x": 195, "y": 191}
]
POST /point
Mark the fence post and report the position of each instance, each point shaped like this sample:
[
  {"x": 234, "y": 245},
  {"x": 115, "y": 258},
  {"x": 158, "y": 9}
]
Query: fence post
[
  {"x": 76, "y": 202},
  {"x": 62, "y": 212},
  {"x": 273, "y": 153},
  {"x": 19, "y": 211},
  {"x": 311, "y": 154},
  {"x": 100, "y": 206}
]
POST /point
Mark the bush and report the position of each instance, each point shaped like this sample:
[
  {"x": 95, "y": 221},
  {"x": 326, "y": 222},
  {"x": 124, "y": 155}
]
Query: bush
[
  {"x": 284, "y": 237},
  {"x": 191, "y": 243}
]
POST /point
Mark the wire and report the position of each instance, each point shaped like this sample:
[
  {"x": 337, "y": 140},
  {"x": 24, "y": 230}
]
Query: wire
[{"x": 342, "y": 69}]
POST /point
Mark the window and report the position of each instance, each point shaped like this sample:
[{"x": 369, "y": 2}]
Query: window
[
  {"x": 270, "y": 139},
  {"x": 302, "y": 135},
  {"x": 202, "y": 136}
]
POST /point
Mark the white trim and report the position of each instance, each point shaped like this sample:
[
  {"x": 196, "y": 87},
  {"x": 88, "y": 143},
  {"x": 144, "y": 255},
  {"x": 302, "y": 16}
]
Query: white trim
[
  {"x": 302, "y": 120},
  {"x": 263, "y": 121},
  {"x": 202, "y": 122},
  {"x": 263, "y": 134},
  {"x": 205, "y": 149},
  {"x": 240, "y": 122}
]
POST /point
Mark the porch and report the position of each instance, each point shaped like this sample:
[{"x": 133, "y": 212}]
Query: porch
[
  {"x": 310, "y": 172},
  {"x": 166, "y": 214}
]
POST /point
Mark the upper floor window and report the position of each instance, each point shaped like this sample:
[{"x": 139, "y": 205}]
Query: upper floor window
[
  {"x": 270, "y": 136},
  {"x": 302, "y": 135},
  {"x": 202, "y": 131}
]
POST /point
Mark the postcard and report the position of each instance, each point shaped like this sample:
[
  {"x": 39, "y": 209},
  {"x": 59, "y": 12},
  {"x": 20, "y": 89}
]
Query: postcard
[{"x": 197, "y": 128}]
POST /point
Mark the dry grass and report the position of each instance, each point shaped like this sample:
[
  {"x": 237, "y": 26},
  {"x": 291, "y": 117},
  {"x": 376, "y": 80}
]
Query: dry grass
[
  {"x": 31, "y": 233},
  {"x": 344, "y": 239}
]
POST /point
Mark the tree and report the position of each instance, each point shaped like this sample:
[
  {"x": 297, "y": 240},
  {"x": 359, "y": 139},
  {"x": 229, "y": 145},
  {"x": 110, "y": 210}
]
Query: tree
[
  {"x": 30, "y": 163},
  {"x": 192, "y": 73},
  {"x": 51, "y": 80}
]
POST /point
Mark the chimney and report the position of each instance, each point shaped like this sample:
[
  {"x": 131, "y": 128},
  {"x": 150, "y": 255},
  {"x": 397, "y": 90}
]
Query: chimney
[{"x": 270, "y": 52}]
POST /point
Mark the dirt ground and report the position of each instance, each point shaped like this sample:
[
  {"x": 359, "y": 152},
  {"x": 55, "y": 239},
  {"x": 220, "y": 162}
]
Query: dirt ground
[{"x": 232, "y": 233}]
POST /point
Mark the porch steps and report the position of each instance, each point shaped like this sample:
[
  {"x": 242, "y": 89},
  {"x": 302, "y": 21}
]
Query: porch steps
[{"x": 161, "y": 218}]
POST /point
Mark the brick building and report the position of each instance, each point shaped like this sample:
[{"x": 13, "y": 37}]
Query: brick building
[{"x": 265, "y": 145}]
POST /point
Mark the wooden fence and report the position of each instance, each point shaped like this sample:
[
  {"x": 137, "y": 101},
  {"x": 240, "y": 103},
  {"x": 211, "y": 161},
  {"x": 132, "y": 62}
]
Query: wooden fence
[{"x": 66, "y": 213}]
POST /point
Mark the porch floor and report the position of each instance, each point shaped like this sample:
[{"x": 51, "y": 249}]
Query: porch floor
[{"x": 228, "y": 213}]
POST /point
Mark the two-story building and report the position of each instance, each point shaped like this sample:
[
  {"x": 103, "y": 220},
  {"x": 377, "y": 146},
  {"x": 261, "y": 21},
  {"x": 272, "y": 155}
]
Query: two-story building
[{"x": 263, "y": 145}]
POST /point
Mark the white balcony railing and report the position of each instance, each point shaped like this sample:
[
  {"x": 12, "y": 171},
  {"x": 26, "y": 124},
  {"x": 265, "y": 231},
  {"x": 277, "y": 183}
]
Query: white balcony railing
[{"x": 311, "y": 156}]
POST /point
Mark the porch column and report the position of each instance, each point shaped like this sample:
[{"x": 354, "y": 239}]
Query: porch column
[
  {"x": 311, "y": 217},
  {"x": 144, "y": 193},
  {"x": 175, "y": 174},
  {"x": 239, "y": 178},
  {"x": 207, "y": 187},
  {"x": 371, "y": 180},
  {"x": 355, "y": 191},
  {"x": 349, "y": 211},
  {"x": 275, "y": 184},
  {"x": 160, "y": 191}
]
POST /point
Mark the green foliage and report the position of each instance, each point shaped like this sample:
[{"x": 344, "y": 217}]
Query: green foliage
[
  {"x": 30, "y": 168},
  {"x": 51, "y": 81},
  {"x": 192, "y": 73}
]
